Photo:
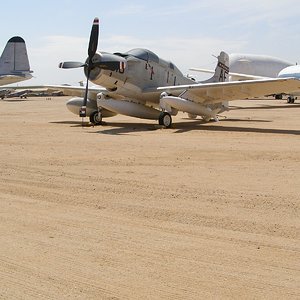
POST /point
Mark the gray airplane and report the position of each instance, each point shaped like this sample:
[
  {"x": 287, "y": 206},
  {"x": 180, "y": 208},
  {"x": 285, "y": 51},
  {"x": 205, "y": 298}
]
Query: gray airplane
[{"x": 140, "y": 84}]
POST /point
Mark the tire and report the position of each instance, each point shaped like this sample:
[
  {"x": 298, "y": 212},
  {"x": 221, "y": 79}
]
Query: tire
[
  {"x": 96, "y": 118},
  {"x": 165, "y": 119}
]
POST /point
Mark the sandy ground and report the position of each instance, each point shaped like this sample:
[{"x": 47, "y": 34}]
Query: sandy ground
[{"x": 129, "y": 211}]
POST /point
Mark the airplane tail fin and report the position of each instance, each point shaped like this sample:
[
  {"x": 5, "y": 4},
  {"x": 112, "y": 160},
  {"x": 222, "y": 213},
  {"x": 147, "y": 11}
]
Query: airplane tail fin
[
  {"x": 14, "y": 59},
  {"x": 221, "y": 70}
]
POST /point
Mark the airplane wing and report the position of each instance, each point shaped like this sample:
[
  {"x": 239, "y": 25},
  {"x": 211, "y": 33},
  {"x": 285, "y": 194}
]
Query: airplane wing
[
  {"x": 237, "y": 76},
  {"x": 79, "y": 91},
  {"x": 71, "y": 90},
  {"x": 233, "y": 90}
]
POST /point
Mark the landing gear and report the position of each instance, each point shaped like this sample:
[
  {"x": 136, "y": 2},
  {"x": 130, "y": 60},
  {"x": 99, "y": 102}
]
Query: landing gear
[
  {"x": 96, "y": 118},
  {"x": 165, "y": 119},
  {"x": 290, "y": 99},
  {"x": 191, "y": 116},
  {"x": 206, "y": 118}
]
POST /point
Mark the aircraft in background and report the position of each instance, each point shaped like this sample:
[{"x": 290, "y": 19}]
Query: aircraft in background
[
  {"x": 138, "y": 83},
  {"x": 260, "y": 66},
  {"x": 252, "y": 67},
  {"x": 291, "y": 72},
  {"x": 5, "y": 92},
  {"x": 14, "y": 63}
]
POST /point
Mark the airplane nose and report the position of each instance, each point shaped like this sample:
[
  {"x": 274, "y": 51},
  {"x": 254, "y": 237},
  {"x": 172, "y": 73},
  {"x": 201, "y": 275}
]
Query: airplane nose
[{"x": 95, "y": 71}]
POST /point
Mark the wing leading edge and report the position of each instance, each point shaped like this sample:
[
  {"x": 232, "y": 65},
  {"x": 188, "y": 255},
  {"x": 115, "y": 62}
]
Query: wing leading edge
[{"x": 233, "y": 90}]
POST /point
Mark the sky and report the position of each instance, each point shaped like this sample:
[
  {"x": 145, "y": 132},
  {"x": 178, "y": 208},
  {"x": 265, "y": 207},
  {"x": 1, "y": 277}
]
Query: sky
[{"x": 188, "y": 33}]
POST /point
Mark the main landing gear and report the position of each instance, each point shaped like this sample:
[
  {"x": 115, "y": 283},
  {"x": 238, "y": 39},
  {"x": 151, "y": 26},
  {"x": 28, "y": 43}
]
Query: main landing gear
[
  {"x": 165, "y": 119},
  {"x": 96, "y": 118},
  {"x": 291, "y": 99}
]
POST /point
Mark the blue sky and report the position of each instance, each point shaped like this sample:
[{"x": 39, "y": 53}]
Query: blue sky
[{"x": 185, "y": 32}]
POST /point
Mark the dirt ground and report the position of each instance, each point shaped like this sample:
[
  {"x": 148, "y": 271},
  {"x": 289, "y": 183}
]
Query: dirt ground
[{"x": 131, "y": 211}]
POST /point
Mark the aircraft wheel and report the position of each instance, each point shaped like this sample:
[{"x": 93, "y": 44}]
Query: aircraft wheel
[
  {"x": 291, "y": 100},
  {"x": 191, "y": 116},
  {"x": 165, "y": 119},
  {"x": 96, "y": 118}
]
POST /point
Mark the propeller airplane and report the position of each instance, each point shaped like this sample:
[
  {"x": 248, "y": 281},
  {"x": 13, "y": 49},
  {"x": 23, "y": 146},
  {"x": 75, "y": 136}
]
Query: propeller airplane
[{"x": 140, "y": 84}]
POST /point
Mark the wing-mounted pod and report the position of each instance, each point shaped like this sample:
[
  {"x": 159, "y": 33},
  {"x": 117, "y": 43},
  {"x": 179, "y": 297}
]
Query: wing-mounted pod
[{"x": 127, "y": 107}]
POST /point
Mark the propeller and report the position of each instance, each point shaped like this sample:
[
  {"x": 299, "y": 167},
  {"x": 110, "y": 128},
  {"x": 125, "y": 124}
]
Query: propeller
[
  {"x": 91, "y": 52},
  {"x": 71, "y": 65},
  {"x": 105, "y": 61}
]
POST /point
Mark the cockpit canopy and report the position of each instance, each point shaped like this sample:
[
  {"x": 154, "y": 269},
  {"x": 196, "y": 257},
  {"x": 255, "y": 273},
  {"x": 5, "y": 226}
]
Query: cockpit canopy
[
  {"x": 143, "y": 54},
  {"x": 148, "y": 56}
]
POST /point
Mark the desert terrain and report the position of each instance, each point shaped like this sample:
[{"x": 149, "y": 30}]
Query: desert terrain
[{"x": 132, "y": 211}]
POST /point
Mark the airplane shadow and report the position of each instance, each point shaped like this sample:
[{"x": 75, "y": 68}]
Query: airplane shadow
[
  {"x": 127, "y": 128},
  {"x": 14, "y": 100},
  {"x": 191, "y": 126},
  {"x": 265, "y": 106},
  {"x": 120, "y": 128},
  {"x": 179, "y": 127},
  {"x": 74, "y": 123}
]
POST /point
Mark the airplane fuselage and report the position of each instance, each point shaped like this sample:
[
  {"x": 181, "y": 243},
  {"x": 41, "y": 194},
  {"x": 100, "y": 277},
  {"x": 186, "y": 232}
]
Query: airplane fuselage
[
  {"x": 260, "y": 65},
  {"x": 144, "y": 72}
]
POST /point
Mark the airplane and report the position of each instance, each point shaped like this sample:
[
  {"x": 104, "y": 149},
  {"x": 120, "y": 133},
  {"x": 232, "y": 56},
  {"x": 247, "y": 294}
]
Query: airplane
[
  {"x": 288, "y": 72},
  {"x": 5, "y": 92},
  {"x": 22, "y": 94},
  {"x": 14, "y": 63},
  {"x": 140, "y": 84},
  {"x": 251, "y": 67}
]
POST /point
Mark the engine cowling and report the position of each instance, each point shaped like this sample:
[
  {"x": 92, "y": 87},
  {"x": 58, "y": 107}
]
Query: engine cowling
[{"x": 105, "y": 61}]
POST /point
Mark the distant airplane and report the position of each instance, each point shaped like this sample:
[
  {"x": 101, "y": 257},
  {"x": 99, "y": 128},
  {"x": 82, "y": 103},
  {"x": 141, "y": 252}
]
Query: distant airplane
[
  {"x": 252, "y": 67},
  {"x": 5, "y": 92},
  {"x": 14, "y": 63},
  {"x": 291, "y": 72},
  {"x": 140, "y": 84}
]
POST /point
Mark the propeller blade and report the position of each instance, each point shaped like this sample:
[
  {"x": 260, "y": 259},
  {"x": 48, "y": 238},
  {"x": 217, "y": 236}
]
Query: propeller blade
[
  {"x": 71, "y": 65},
  {"x": 93, "y": 44}
]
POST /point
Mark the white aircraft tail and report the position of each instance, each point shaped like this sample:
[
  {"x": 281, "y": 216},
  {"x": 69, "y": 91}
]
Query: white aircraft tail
[
  {"x": 221, "y": 70},
  {"x": 14, "y": 59}
]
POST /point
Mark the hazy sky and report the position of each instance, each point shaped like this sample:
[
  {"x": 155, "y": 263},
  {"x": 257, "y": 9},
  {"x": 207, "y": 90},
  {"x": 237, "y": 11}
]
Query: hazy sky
[{"x": 186, "y": 32}]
